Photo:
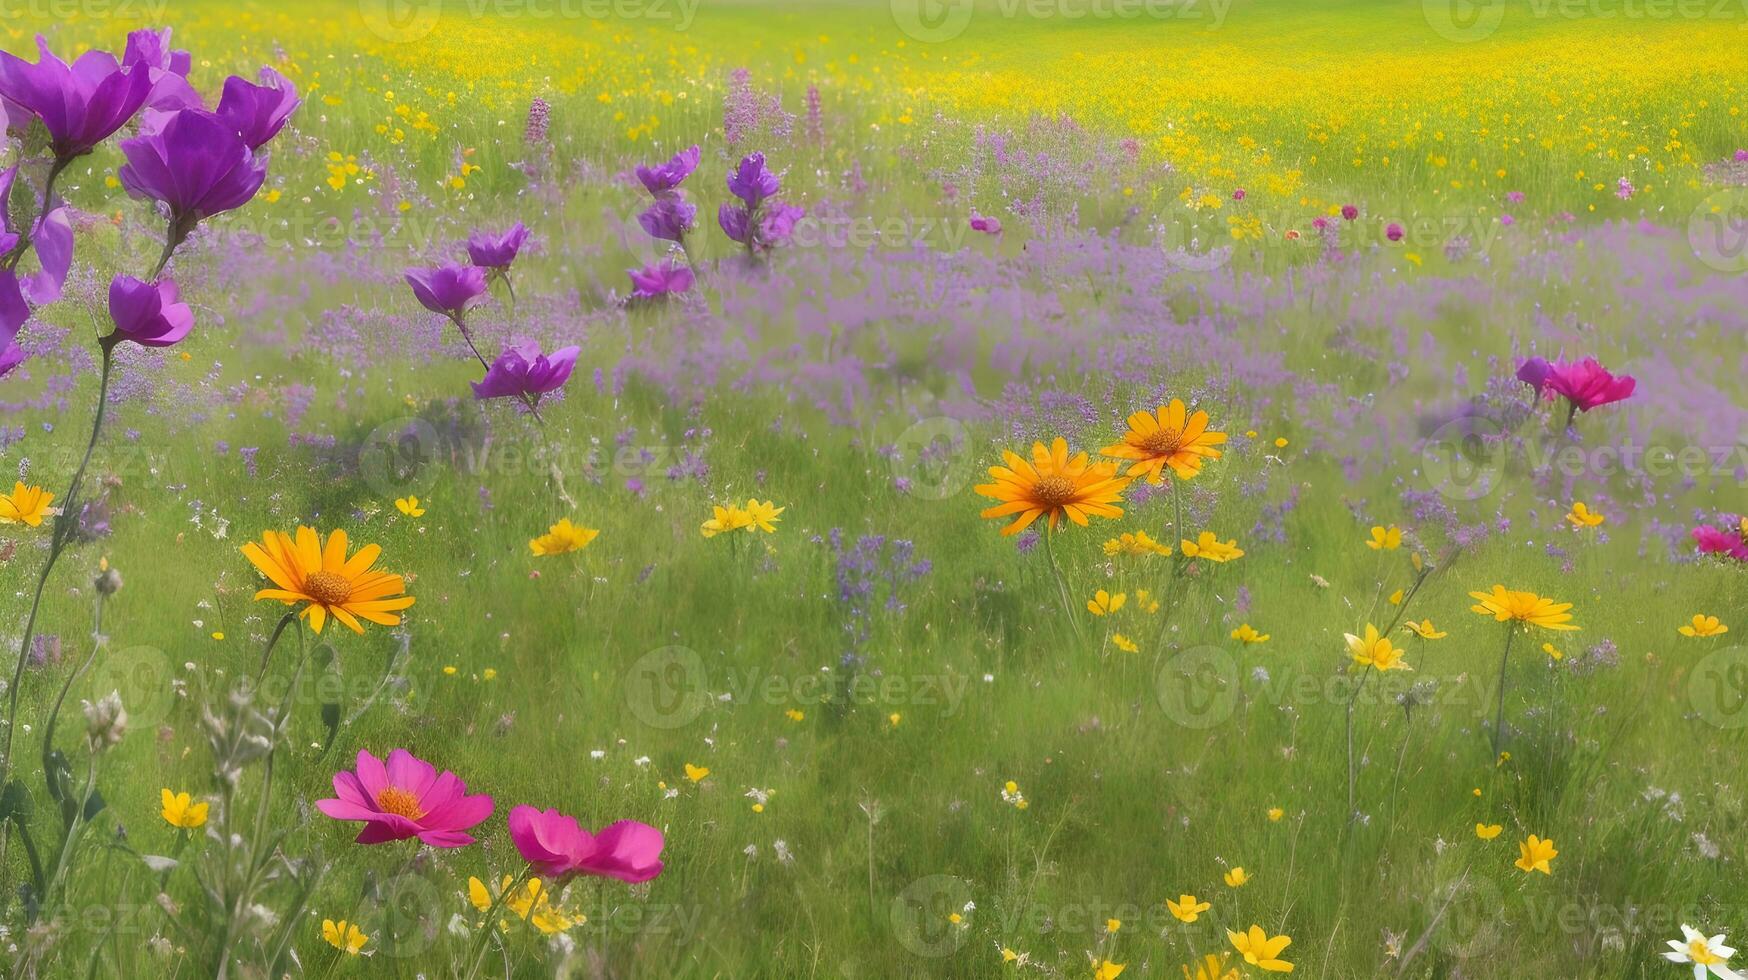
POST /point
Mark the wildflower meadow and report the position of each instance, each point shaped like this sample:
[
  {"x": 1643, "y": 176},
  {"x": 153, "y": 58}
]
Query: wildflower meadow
[{"x": 928, "y": 488}]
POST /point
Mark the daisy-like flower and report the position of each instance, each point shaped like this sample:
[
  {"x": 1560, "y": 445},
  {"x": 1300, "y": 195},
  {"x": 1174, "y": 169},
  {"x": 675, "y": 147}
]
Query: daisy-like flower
[
  {"x": 1506, "y": 605},
  {"x": 404, "y": 797},
  {"x": 531, "y": 902},
  {"x": 1210, "y": 967},
  {"x": 1385, "y": 538},
  {"x": 1425, "y": 630},
  {"x": 1211, "y": 548},
  {"x": 563, "y": 537},
  {"x": 1581, "y": 516},
  {"x": 1703, "y": 625},
  {"x": 410, "y": 506},
  {"x": 25, "y": 505},
  {"x": 1106, "y": 970},
  {"x": 181, "y": 811},
  {"x": 762, "y": 516},
  {"x": 1186, "y": 908},
  {"x": 325, "y": 580},
  {"x": 344, "y": 936},
  {"x": 725, "y": 519},
  {"x": 1171, "y": 436},
  {"x": 1052, "y": 485},
  {"x": 1261, "y": 950},
  {"x": 1235, "y": 878},
  {"x": 1138, "y": 543},
  {"x": 1374, "y": 650},
  {"x": 1123, "y": 643},
  {"x": 1535, "y": 854},
  {"x": 1488, "y": 831},
  {"x": 1704, "y": 953},
  {"x": 1246, "y": 633},
  {"x": 1103, "y": 603},
  {"x": 696, "y": 773}
]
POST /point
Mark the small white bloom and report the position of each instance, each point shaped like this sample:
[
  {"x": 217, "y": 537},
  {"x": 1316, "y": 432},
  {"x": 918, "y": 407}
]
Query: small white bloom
[{"x": 1704, "y": 953}]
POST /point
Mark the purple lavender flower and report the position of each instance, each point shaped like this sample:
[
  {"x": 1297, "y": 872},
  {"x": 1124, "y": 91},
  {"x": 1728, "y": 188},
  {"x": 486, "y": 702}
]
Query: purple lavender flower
[
  {"x": 736, "y": 223},
  {"x": 659, "y": 281},
  {"x": 149, "y": 51},
  {"x": 448, "y": 288},
  {"x": 539, "y": 115},
  {"x": 664, "y": 178},
  {"x": 523, "y": 372},
  {"x": 80, "y": 104},
  {"x": 196, "y": 164},
  {"x": 150, "y": 314},
  {"x": 258, "y": 112},
  {"x": 669, "y": 218},
  {"x": 490, "y": 251},
  {"x": 752, "y": 182}
]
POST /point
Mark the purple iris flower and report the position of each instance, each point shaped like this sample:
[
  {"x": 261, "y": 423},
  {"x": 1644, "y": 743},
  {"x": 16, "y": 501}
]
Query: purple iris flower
[
  {"x": 448, "y": 288},
  {"x": 759, "y": 231},
  {"x": 657, "y": 281},
  {"x": 752, "y": 182},
  {"x": 150, "y": 51},
  {"x": 79, "y": 104},
  {"x": 523, "y": 372},
  {"x": 53, "y": 241},
  {"x": 669, "y": 218},
  {"x": 1535, "y": 373},
  {"x": 663, "y": 178},
  {"x": 151, "y": 314},
  {"x": 489, "y": 251},
  {"x": 10, "y": 357},
  {"x": 777, "y": 225},
  {"x": 196, "y": 164},
  {"x": 736, "y": 222},
  {"x": 258, "y": 112}
]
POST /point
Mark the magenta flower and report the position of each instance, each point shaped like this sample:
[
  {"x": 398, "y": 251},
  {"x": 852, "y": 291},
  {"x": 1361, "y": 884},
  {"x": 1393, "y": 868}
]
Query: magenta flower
[
  {"x": 985, "y": 223},
  {"x": 523, "y": 372},
  {"x": 1349, "y": 212},
  {"x": 489, "y": 251},
  {"x": 149, "y": 51},
  {"x": 1393, "y": 231},
  {"x": 147, "y": 313},
  {"x": 1238, "y": 195},
  {"x": 662, "y": 179},
  {"x": 1514, "y": 197},
  {"x": 1715, "y": 541},
  {"x": 258, "y": 112},
  {"x": 669, "y": 218},
  {"x": 448, "y": 288},
  {"x": 1534, "y": 372},
  {"x": 752, "y": 182},
  {"x": 558, "y": 847},
  {"x": 1588, "y": 384},
  {"x": 196, "y": 164},
  {"x": 657, "y": 281},
  {"x": 406, "y": 798},
  {"x": 79, "y": 104},
  {"x": 1742, "y": 156}
]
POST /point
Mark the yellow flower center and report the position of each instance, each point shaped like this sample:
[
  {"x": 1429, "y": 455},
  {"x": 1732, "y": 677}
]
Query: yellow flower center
[
  {"x": 399, "y": 802},
  {"x": 1163, "y": 442},
  {"x": 328, "y": 588},
  {"x": 1053, "y": 491}
]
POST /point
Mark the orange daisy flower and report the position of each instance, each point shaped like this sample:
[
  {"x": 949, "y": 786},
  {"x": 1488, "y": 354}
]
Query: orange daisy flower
[
  {"x": 333, "y": 585},
  {"x": 1169, "y": 437},
  {"x": 1052, "y": 485}
]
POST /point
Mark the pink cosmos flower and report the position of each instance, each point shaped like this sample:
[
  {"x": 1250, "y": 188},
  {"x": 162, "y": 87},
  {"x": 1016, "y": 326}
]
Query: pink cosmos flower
[
  {"x": 405, "y": 798},
  {"x": 1715, "y": 541},
  {"x": 1349, "y": 212},
  {"x": 1588, "y": 384},
  {"x": 558, "y": 847},
  {"x": 1238, "y": 195},
  {"x": 987, "y": 224}
]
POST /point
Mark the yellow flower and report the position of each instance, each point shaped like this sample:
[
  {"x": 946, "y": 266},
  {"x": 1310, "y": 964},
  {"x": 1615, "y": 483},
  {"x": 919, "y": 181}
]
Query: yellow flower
[
  {"x": 180, "y": 810},
  {"x": 1145, "y": 602},
  {"x": 1385, "y": 539},
  {"x": 1245, "y": 633},
  {"x": 1535, "y": 853},
  {"x": 344, "y": 936},
  {"x": 1487, "y": 831},
  {"x": 1054, "y": 486},
  {"x": 1186, "y": 908},
  {"x": 1703, "y": 625},
  {"x": 561, "y": 538},
  {"x": 894, "y": 718},
  {"x": 1138, "y": 543},
  {"x": 1103, "y": 603},
  {"x": 25, "y": 505},
  {"x": 1581, "y": 516},
  {"x": 762, "y": 516},
  {"x": 1112, "y": 925},
  {"x": 1123, "y": 643},
  {"x": 1170, "y": 437},
  {"x": 955, "y": 918},
  {"x": 1209, "y": 547},
  {"x": 795, "y": 714},
  {"x": 724, "y": 520},
  {"x": 1211, "y": 967},
  {"x": 1107, "y": 970},
  {"x": 1275, "y": 814},
  {"x": 531, "y": 903},
  {"x": 1396, "y": 598},
  {"x": 1261, "y": 950},
  {"x": 1236, "y": 877},
  {"x": 1281, "y": 443},
  {"x": 1425, "y": 630},
  {"x": 409, "y": 506},
  {"x": 1375, "y": 651},
  {"x": 696, "y": 773},
  {"x": 307, "y": 571},
  {"x": 1505, "y": 605},
  {"x": 1549, "y": 649}
]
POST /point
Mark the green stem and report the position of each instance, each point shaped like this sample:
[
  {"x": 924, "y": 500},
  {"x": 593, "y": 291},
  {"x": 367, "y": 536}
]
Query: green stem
[
  {"x": 11, "y": 259},
  {"x": 48, "y": 734},
  {"x": 476, "y": 956},
  {"x": 1499, "y": 712},
  {"x": 1061, "y": 584},
  {"x": 1352, "y": 775}
]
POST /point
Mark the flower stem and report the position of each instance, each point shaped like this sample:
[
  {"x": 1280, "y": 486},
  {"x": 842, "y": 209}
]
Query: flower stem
[
  {"x": 476, "y": 956},
  {"x": 1352, "y": 775},
  {"x": 11, "y": 259},
  {"x": 1061, "y": 583},
  {"x": 1499, "y": 712}
]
